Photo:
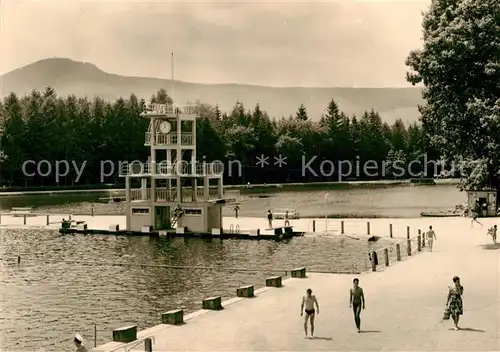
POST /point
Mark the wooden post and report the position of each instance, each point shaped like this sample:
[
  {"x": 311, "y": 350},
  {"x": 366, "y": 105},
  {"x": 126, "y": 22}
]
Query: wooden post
[
  {"x": 24, "y": 216},
  {"x": 148, "y": 344},
  {"x": 398, "y": 252},
  {"x": 368, "y": 228},
  {"x": 386, "y": 257},
  {"x": 423, "y": 239},
  {"x": 314, "y": 225},
  {"x": 48, "y": 219},
  {"x": 408, "y": 246},
  {"x": 374, "y": 265},
  {"x": 419, "y": 243},
  {"x": 342, "y": 227},
  {"x": 408, "y": 232},
  {"x": 95, "y": 333},
  {"x": 390, "y": 230}
]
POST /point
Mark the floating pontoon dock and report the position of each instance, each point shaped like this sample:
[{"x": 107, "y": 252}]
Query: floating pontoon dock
[{"x": 280, "y": 233}]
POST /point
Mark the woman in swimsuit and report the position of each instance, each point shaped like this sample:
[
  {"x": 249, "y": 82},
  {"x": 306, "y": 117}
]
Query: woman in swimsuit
[
  {"x": 309, "y": 300},
  {"x": 454, "y": 302}
]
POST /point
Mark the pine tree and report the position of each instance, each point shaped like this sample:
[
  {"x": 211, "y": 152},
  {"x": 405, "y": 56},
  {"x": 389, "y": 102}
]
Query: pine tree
[{"x": 301, "y": 113}]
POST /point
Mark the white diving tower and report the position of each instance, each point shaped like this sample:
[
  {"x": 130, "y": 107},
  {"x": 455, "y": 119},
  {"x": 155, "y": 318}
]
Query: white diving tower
[{"x": 173, "y": 189}]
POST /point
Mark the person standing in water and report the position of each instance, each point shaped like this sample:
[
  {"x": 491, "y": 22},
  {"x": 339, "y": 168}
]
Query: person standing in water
[
  {"x": 454, "y": 303},
  {"x": 475, "y": 214},
  {"x": 431, "y": 236},
  {"x": 308, "y": 301},
  {"x": 79, "y": 343},
  {"x": 357, "y": 302}
]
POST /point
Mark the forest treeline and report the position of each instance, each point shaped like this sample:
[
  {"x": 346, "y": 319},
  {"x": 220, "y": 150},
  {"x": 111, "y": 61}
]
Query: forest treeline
[{"x": 44, "y": 126}]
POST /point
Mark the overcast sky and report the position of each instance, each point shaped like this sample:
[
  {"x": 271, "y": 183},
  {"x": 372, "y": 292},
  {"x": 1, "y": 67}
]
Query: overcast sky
[{"x": 341, "y": 43}]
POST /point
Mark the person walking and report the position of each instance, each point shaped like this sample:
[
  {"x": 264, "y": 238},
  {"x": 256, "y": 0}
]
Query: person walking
[
  {"x": 492, "y": 231},
  {"x": 475, "y": 214},
  {"x": 357, "y": 302},
  {"x": 431, "y": 236},
  {"x": 309, "y": 301},
  {"x": 454, "y": 303}
]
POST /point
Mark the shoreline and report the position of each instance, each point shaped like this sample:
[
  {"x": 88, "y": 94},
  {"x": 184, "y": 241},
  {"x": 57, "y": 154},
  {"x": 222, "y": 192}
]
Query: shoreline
[{"x": 274, "y": 187}]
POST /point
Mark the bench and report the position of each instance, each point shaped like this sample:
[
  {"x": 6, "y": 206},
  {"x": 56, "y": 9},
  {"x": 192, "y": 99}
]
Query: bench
[{"x": 280, "y": 214}]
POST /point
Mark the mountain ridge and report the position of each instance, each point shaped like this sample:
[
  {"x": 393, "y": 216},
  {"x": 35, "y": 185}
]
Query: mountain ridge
[{"x": 67, "y": 76}]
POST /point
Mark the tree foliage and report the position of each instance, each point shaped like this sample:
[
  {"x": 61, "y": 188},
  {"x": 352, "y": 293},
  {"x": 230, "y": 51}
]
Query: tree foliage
[
  {"x": 459, "y": 65},
  {"x": 44, "y": 126}
]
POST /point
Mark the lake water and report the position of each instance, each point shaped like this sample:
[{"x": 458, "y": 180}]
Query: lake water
[
  {"x": 47, "y": 298},
  {"x": 384, "y": 201}
]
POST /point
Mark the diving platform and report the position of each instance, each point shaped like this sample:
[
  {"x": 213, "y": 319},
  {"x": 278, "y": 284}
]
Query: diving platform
[
  {"x": 167, "y": 170},
  {"x": 176, "y": 191},
  {"x": 162, "y": 195}
]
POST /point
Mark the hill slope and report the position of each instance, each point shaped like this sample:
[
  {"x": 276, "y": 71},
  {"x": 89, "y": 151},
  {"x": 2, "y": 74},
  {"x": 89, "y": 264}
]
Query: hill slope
[{"x": 71, "y": 77}]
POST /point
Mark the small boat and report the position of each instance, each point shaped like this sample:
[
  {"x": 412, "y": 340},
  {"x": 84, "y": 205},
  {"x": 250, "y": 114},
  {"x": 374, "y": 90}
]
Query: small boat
[
  {"x": 440, "y": 214},
  {"x": 112, "y": 199},
  {"x": 458, "y": 211},
  {"x": 422, "y": 181}
]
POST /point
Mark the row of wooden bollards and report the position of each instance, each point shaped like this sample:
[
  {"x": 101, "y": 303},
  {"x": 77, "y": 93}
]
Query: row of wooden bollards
[
  {"x": 420, "y": 245},
  {"x": 128, "y": 334},
  {"x": 25, "y": 216},
  {"x": 368, "y": 228}
]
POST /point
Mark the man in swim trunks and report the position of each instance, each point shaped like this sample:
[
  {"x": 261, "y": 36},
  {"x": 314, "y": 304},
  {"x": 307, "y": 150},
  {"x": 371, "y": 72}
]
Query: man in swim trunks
[
  {"x": 431, "y": 236},
  {"x": 309, "y": 300},
  {"x": 356, "y": 301}
]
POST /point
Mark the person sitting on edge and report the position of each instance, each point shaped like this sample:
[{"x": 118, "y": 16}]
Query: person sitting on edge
[
  {"x": 431, "y": 236},
  {"x": 357, "y": 301},
  {"x": 270, "y": 218},
  {"x": 309, "y": 300},
  {"x": 79, "y": 343}
]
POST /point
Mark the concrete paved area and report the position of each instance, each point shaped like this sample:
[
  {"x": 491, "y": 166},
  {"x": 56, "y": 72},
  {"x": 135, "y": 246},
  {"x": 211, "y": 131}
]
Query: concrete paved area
[{"x": 405, "y": 304}]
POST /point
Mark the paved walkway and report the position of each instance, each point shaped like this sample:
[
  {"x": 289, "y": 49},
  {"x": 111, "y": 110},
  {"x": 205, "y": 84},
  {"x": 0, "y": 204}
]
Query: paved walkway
[{"x": 404, "y": 305}]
